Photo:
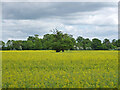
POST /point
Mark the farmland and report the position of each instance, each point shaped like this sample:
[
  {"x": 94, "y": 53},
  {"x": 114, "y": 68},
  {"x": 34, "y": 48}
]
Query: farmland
[{"x": 70, "y": 69}]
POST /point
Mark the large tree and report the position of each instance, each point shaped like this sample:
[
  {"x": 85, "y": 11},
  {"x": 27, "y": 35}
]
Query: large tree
[
  {"x": 47, "y": 41},
  {"x": 106, "y": 44},
  {"x": 96, "y": 44},
  {"x": 35, "y": 42},
  {"x": 17, "y": 45},
  {"x": 30, "y": 45},
  {"x": 79, "y": 42},
  {"x": 86, "y": 44},
  {"x": 118, "y": 43},
  {"x": 114, "y": 42},
  {"x": 83, "y": 43},
  {"x": 9, "y": 44},
  {"x": 2, "y": 45},
  {"x": 24, "y": 45},
  {"x": 62, "y": 41}
]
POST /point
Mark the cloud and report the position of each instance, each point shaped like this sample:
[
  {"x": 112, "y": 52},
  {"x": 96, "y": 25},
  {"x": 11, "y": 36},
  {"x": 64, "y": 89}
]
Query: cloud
[
  {"x": 24, "y": 28},
  {"x": 105, "y": 16},
  {"x": 45, "y": 10},
  {"x": 79, "y": 19},
  {"x": 59, "y": 1}
]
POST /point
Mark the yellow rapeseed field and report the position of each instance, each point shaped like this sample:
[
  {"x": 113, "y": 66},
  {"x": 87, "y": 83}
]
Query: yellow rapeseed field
[{"x": 48, "y": 69}]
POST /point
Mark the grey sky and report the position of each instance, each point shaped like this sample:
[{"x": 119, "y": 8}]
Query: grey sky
[{"x": 87, "y": 19}]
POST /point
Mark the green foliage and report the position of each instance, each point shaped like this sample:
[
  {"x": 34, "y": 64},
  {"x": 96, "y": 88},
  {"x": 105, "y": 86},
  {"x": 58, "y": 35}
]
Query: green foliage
[
  {"x": 83, "y": 43},
  {"x": 10, "y": 44},
  {"x": 96, "y": 44},
  {"x": 17, "y": 45},
  {"x": 107, "y": 44},
  {"x": 60, "y": 41},
  {"x": 47, "y": 41},
  {"x": 118, "y": 43},
  {"x": 30, "y": 45}
]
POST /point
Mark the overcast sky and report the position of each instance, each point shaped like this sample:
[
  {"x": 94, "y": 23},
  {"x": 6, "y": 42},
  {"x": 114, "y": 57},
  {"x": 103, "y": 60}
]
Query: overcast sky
[{"x": 86, "y": 19}]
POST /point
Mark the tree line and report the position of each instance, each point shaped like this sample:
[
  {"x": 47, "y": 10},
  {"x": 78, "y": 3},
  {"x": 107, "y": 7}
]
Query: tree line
[{"x": 60, "y": 41}]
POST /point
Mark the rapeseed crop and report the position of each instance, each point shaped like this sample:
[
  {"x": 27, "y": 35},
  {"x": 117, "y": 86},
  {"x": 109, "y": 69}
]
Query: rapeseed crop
[{"x": 48, "y": 69}]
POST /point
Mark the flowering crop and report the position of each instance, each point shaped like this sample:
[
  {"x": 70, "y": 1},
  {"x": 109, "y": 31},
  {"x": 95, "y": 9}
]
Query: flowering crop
[{"x": 48, "y": 69}]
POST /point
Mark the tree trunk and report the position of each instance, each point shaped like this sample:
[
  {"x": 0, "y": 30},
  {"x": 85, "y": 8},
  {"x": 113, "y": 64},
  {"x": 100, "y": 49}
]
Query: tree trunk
[{"x": 57, "y": 50}]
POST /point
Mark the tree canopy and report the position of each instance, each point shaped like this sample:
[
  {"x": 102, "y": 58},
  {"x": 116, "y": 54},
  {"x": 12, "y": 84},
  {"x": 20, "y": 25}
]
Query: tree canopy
[{"x": 59, "y": 41}]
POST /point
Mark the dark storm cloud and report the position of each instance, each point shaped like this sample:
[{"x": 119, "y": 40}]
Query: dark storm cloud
[{"x": 45, "y": 10}]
